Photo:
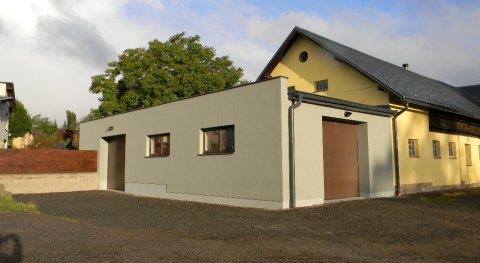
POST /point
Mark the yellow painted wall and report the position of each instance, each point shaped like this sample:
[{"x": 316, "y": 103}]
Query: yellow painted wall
[
  {"x": 344, "y": 82},
  {"x": 413, "y": 124},
  {"x": 470, "y": 174}
]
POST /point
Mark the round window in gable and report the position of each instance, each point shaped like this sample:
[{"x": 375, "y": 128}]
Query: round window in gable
[{"x": 303, "y": 56}]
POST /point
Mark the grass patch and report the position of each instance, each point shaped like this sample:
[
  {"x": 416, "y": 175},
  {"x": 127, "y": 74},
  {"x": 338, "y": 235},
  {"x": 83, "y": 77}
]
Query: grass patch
[
  {"x": 459, "y": 197},
  {"x": 7, "y": 204}
]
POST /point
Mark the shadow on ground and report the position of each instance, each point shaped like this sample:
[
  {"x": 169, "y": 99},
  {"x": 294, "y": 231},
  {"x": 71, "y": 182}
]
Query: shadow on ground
[{"x": 10, "y": 249}]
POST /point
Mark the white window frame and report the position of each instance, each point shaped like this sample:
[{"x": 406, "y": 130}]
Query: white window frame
[
  {"x": 452, "y": 150},
  {"x": 413, "y": 151}
]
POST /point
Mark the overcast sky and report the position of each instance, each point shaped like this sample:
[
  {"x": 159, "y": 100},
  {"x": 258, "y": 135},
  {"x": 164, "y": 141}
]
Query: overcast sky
[{"x": 51, "y": 48}]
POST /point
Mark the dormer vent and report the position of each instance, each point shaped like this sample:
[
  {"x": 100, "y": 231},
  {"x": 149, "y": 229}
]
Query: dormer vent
[{"x": 405, "y": 66}]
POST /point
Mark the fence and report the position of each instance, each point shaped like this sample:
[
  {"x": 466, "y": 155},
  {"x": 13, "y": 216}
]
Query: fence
[{"x": 41, "y": 171}]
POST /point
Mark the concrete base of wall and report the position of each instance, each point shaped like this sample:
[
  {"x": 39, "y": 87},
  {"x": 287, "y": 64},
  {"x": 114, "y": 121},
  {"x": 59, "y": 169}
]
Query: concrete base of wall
[
  {"x": 49, "y": 183},
  {"x": 154, "y": 190},
  {"x": 428, "y": 187},
  {"x": 310, "y": 202},
  {"x": 378, "y": 195}
]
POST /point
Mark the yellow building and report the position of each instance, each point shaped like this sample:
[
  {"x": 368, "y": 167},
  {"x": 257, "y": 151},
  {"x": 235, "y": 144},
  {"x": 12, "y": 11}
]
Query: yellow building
[{"x": 436, "y": 130}]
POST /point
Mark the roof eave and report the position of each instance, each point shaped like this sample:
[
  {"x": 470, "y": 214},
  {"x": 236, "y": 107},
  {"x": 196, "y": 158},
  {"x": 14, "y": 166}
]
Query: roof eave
[
  {"x": 433, "y": 106},
  {"x": 339, "y": 104}
]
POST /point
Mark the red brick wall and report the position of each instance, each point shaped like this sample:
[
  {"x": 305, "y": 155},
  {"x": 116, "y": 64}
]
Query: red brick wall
[{"x": 27, "y": 161}]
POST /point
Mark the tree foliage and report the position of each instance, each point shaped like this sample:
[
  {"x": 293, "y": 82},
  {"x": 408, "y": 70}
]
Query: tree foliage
[
  {"x": 20, "y": 121},
  {"x": 44, "y": 125},
  {"x": 71, "y": 122},
  {"x": 165, "y": 71}
]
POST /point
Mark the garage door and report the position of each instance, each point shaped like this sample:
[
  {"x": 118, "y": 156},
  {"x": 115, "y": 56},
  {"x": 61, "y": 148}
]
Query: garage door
[{"x": 340, "y": 159}]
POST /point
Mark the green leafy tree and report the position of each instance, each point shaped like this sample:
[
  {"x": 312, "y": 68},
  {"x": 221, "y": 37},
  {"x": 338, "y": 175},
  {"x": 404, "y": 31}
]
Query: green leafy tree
[
  {"x": 44, "y": 125},
  {"x": 179, "y": 68},
  {"x": 45, "y": 132},
  {"x": 71, "y": 123},
  {"x": 20, "y": 121}
]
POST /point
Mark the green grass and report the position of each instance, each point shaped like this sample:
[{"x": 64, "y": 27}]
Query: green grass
[
  {"x": 7, "y": 204},
  {"x": 459, "y": 197}
]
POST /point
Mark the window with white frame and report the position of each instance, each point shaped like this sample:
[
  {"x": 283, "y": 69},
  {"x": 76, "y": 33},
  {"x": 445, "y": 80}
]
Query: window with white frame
[
  {"x": 436, "y": 149},
  {"x": 159, "y": 145},
  {"x": 413, "y": 148},
  {"x": 452, "y": 150},
  {"x": 219, "y": 140}
]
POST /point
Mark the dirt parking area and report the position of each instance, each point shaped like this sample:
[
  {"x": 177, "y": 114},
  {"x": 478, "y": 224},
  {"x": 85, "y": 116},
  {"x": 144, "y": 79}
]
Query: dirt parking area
[{"x": 102, "y": 226}]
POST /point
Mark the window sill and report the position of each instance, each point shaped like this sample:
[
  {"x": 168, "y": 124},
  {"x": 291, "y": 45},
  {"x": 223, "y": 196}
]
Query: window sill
[
  {"x": 213, "y": 154},
  {"x": 156, "y": 156}
]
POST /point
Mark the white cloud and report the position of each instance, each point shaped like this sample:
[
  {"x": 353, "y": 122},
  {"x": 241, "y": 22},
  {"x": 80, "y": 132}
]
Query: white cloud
[{"x": 51, "y": 48}]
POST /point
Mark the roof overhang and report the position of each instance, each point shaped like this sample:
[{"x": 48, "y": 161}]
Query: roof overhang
[
  {"x": 5, "y": 99},
  {"x": 432, "y": 106},
  {"x": 339, "y": 104}
]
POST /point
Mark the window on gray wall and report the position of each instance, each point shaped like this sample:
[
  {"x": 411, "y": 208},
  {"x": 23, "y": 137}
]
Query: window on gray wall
[
  {"x": 219, "y": 140},
  {"x": 159, "y": 145}
]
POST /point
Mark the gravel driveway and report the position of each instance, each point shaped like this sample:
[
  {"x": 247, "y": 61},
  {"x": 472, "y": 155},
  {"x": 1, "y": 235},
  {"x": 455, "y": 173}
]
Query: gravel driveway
[{"x": 103, "y": 226}]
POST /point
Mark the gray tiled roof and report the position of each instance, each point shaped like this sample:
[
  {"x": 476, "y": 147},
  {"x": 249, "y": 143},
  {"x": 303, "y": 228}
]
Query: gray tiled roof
[
  {"x": 473, "y": 92},
  {"x": 403, "y": 83}
]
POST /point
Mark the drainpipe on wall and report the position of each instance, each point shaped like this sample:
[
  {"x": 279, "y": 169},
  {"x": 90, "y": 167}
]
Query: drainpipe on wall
[
  {"x": 395, "y": 147},
  {"x": 296, "y": 101}
]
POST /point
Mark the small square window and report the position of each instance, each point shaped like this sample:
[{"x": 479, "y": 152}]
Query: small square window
[
  {"x": 413, "y": 148},
  {"x": 219, "y": 140},
  {"x": 452, "y": 150},
  {"x": 321, "y": 85},
  {"x": 436, "y": 150},
  {"x": 159, "y": 145}
]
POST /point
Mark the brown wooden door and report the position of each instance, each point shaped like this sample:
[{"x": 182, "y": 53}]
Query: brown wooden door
[
  {"x": 340, "y": 160},
  {"x": 116, "y": 163}
]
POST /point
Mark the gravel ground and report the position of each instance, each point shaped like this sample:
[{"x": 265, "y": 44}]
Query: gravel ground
[{"x": 103, "y": 226}]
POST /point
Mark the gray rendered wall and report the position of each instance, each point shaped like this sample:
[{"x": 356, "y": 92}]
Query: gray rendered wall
[{"x": 252, "y": 176}]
